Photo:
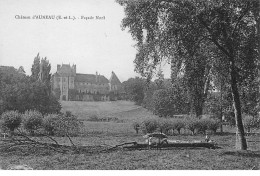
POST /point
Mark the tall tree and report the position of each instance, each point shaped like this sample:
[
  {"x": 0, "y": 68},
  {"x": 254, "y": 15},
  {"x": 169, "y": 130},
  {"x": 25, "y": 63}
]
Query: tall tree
[
  {"x": 36, "y": 68},
  {"x": 135, "y": 88},
  {"x": 41, "y": 72},
  {"x": 170, "y": 34},
  {"x": 41, "y": 69},
  {"x": 191, "y": 33}
]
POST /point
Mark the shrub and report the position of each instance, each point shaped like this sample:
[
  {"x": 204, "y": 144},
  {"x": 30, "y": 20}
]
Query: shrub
[
  {"x": 213, "y": 125},
  {"x": 10, "y": 120},
  {"x": 149, "y": 126},
  {"x": 136, "y": 127},
  {"x": 178, "y": 124},
  {"x": 94, "y": 118},
  {"x": 164, "y": 125},
  {"x": 192, "y": 123},
  {"x": 32, "y": 121},
  {"x": 250, "y": 122},
  {"x": 67, "y": 125},
  {"x": 202, "y": 125},
  {"x": 62, "y": 124},
  {"x": 50, "y": 123}
]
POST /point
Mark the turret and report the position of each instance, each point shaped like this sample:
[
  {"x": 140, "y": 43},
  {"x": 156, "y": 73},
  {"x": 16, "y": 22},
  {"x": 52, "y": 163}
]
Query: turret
[{"x": 58, "y": 67}]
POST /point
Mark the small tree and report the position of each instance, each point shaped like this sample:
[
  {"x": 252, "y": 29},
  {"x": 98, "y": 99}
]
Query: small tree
[
  {"x": 68, "y": 125},
  {"x": 202, "y": 125},
  {"x": 250, "y": 123},
  {"x": 32, "y": 121},
  {"x": 191, "y": 123},
  {"x": 49, "y": 123},
  {"x": 149, "y": 126},
  {"x": 10, "y": 120},
  {"x": 134, "y": 88},
  {"x": 164, "y": 125},
  {"x": 62, "y": 124},
  {"x": 213, "y": 125},
  {"x": 178, "y": 124}
]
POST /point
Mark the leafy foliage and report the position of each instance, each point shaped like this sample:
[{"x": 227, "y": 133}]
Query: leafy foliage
[
  {"x": 57, "y": 93},
  {"x": 213, "y": 124},
  {"x": 163, "y": 105},
  {"x": 134, "y": 88},
  {"x": 19, "y": 92},
  {"x": 193, "y": 35},
  {"x": 164, "y": 125},
  {"x": 62, "y": 124},
  {"x": 49, "y": 123},
  {"x": 167, "y": 102},
  {"x": 178, "y": 124},
  {"x": 192, "y": 124},
  {"x": 149, "y": 126},
  {"x": 10, "y": 120},
  {"x": 22, "y": 97},
  {"x": 41, "y": 70},
  {"x": 32, "y": 121},
  {"x": 251, "y": 122},
  {"x": 68, "y": 124}
]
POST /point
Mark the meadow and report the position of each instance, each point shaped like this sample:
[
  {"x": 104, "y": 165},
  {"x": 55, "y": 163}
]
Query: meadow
[{"x": 116, "y": 132}]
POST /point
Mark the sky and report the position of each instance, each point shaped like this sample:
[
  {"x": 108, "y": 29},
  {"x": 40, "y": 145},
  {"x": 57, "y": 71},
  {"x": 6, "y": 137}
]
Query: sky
[{"x": 94, "y": 45}]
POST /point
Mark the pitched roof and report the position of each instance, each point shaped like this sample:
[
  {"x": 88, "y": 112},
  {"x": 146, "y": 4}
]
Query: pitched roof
[
  {"x": 91, "y": 78},
  {"x": 7, "y": 68},
  {"x": 114, "y": 79},
  {"x": 65, "y": 70}
]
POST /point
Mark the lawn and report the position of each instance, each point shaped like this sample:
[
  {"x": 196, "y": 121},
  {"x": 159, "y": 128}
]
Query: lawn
[{"x": 112, "y": 133}]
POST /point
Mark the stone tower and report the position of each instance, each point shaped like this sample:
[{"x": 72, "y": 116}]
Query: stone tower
[{"x": 64, "y": 79}]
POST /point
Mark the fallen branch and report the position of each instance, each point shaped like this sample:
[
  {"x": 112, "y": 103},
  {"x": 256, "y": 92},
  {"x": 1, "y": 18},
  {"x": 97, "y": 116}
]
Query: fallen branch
[
  {"x": 26, "y": 141},
  {"x": 113, "y": 147}
]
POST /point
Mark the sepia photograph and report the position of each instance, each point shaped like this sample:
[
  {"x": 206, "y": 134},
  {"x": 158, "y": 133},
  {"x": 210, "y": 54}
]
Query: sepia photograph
[{"x": 161, "y": 86}]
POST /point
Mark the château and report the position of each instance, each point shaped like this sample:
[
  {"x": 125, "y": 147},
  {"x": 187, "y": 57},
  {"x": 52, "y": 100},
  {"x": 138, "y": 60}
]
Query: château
[{"x": 72, "y": 86}]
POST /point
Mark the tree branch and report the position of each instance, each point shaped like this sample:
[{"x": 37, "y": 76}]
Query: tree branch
[
  {"x": 213, "y": 39},
  {"x": 240, "y": 18},
  {"x": 52, "y": 139}
]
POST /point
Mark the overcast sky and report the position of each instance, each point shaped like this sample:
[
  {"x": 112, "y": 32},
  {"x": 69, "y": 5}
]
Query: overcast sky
[{"x": 92, "y": 44}]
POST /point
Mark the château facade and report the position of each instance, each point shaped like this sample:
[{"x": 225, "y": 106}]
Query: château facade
[{"x": 72, "y": 86}]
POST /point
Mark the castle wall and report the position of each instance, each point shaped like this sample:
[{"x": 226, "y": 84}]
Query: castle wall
[
  {"x": 89, "y": 89},
  {"x": 92, "y": 88}
]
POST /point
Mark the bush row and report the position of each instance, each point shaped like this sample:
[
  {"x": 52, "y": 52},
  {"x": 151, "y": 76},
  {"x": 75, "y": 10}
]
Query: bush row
[
  {"x": 33, "y": 122},
  {"x": 95, "y": 118},
  {"x": 168, "y": 126}
]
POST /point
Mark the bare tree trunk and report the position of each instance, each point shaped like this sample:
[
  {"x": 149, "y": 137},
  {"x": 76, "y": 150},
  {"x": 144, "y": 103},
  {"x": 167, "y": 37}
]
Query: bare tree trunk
[
  {"x": 221, "y": 106},
  {"x": 240, "y": 134}
]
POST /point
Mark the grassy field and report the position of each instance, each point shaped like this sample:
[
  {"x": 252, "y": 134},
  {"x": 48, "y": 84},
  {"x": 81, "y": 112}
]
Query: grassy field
[{"x": 112, "y": 133}]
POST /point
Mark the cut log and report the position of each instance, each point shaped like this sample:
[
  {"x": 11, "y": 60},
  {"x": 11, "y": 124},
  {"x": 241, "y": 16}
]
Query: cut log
[{"x": 175, "y": 144}]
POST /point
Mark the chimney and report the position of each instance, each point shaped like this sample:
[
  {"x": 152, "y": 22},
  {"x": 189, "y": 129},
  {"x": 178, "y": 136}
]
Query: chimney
[
  {"x": 58, "y": 67},
  {"x": 74, "y": 68},
  {"x": 96, "y": 76}
]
